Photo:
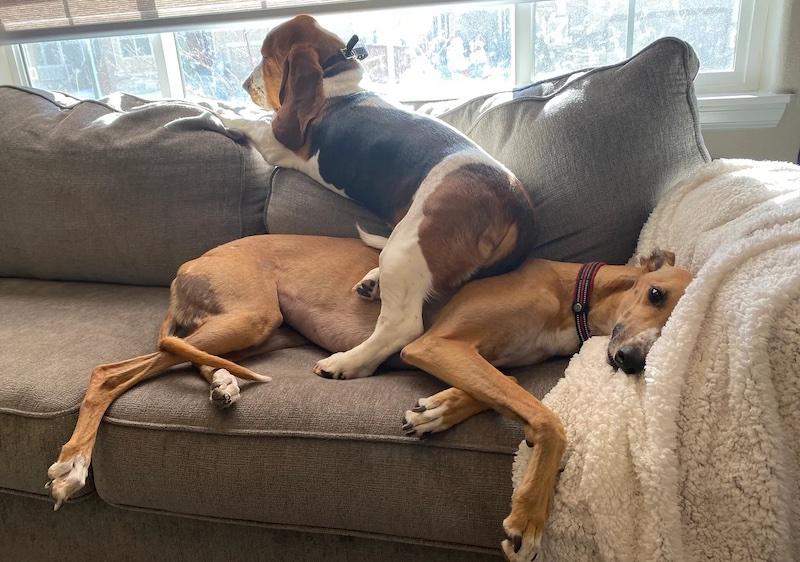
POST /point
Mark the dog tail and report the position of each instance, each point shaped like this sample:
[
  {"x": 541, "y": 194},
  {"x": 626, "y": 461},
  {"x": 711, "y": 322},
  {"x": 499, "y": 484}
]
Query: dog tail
[
  {"x": 371, "y": 240},
  {"x": 184, "y": 349}
]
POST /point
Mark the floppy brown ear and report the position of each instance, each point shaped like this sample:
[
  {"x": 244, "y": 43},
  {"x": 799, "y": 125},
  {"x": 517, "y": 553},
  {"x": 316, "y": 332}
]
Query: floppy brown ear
[
  {"x": 656, "y": 260},
  {"x": 300, "y": 96}
]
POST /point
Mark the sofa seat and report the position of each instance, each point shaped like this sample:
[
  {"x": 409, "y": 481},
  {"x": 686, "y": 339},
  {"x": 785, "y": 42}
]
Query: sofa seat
[
  {"x": 51, "y": 336},
  {"x": 300, "y": 452},
  {"x": 311, "y": 453}
]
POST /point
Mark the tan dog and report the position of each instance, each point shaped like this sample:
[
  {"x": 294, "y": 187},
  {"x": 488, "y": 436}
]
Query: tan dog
[
  {"x": 457, "y": 212},
  {"x": 231, "y": 301}
]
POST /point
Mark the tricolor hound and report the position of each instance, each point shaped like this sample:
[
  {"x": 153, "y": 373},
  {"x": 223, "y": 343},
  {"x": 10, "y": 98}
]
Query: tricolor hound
[{"x": 457, "y": 212}]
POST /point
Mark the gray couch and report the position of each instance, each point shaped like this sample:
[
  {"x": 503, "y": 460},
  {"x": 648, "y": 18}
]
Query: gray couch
[{"x": 99, "y": 204}]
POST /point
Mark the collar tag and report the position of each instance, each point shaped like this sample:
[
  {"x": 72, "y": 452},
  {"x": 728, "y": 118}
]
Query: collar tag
[{"x": 354, "y": 51}]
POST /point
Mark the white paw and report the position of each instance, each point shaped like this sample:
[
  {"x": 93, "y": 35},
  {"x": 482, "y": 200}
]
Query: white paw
[
  {"x": 369, "y": 287},
  {"x": 66, "y": 478},
  {"x": 428, "y": 416},
  {"x": 341, "y": 366},
  {"x": 224, "y": 389},
  {"x": 523, "y": 543}
]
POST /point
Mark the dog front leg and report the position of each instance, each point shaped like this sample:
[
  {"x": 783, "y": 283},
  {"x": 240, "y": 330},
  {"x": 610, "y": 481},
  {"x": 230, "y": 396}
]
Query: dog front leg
[
  {"x": 442, "y": 411},
  {"x": 460, "y": 364},
  {"x": 260, "y": 135}
]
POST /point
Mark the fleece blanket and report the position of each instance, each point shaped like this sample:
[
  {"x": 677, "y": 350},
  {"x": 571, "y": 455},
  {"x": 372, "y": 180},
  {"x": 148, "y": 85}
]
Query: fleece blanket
[{"x": 699, "y": 459}]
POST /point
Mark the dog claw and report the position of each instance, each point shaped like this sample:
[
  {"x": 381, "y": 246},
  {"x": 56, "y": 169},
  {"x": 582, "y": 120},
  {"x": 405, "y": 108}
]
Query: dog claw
[
  {"x": 418, "y": 408},
  {"x": 517, "y": 542},
  {"x": 326, "y": 374},
  {"x": 407, "y": 426}
]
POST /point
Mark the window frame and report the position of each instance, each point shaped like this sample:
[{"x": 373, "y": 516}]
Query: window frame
[{"x": 733, "y": 91}]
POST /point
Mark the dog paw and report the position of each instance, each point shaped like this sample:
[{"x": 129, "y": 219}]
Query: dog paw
[
  {"x": 224, "y": 389},
  {"x": 369, "y": 287},
  {"x": 339, "y": 366},
  {"x": 65, "y": 478},
  {"x": 428, "y": 416},
  {"x": 524, "y": 537}
]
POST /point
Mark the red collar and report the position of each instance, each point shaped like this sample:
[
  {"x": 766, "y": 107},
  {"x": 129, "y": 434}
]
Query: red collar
[{"x": 580, "y": 302}]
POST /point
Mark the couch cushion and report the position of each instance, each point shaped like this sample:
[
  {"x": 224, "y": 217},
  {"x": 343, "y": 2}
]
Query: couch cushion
[
  {"x": 51, "y": 336},
  {"x": 596, "y": 150},
  {"x": 92, "y": 530},
  {"x": 311, "y": 452},
  {"x": 122, "y": 191},
  {"x": 301, "y": 450},
  {"x": 299, "y": 205}
]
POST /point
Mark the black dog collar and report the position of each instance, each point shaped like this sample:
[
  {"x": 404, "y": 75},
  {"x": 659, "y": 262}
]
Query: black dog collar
[
  {"x": 580, "y": 302},
  {"x": 351, "y": 51}
]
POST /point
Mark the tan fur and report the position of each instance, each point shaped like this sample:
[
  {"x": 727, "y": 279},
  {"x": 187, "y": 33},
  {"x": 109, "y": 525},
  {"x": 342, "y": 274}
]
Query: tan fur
[{"x": 235, "y": 297}]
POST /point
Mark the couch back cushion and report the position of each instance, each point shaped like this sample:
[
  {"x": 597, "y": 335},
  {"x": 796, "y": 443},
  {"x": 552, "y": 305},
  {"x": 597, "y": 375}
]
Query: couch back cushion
[
  {"x": 596, "y": 149},
  {"x": 120, "y": 191}
]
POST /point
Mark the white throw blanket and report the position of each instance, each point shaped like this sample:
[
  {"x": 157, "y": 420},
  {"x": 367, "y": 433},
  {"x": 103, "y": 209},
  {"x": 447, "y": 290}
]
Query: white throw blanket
[{"x": 700, "y": 458}]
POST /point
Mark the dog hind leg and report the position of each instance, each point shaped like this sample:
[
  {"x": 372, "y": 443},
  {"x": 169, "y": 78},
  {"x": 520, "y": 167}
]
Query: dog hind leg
[
  {"x": 217, "y": 335},
  {"x": 224, "y": 388},
  {"x": 68, "y": 474},
  {"x": 405, "y": 282}
]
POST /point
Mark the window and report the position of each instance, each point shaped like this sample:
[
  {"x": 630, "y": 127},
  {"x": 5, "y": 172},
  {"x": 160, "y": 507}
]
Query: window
[
  {"x": 135, "y": 47},
  {"x": 572, "y": 34},
  {"x": 92, "y": 68},
  {"x": 453, "y": 52},
  {"x": 419, "y": 53}
]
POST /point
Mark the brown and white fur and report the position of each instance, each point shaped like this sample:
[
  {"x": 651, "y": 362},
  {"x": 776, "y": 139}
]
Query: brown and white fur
[
  {"x": 232, "y": 300},
  {"x": 457, "y": 213}
]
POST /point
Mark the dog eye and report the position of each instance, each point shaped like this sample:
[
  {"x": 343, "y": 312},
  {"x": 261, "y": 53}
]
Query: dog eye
[{"x": 655, "y": 296}]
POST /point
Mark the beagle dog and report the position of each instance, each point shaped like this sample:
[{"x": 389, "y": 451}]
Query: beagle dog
[
  {"x": 456, "y": 212},
  {"x": 232, "y": 301}
]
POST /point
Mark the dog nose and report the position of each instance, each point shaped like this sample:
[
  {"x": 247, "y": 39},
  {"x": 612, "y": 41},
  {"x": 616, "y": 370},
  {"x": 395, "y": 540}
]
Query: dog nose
[{"x": 630, "y": 359}]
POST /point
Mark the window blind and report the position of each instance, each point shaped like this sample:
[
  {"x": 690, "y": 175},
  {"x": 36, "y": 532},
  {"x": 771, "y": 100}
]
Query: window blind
[{"x": 31, "y": 20}]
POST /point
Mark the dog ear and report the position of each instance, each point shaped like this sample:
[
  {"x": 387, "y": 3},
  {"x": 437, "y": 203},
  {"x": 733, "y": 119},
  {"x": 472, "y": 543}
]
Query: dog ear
[
  {"x": 300, "y": 96},
  {"x": 656, "y": 260}
]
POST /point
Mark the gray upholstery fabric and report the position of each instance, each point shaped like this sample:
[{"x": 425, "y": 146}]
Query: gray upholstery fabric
[
  {"x": 28, "y": 446},
  {"x": 300, "y": 450},
  {"x": 299, "y": 205},
  {"x": 596, "y": 150},
  {"x": 93, "y": 530},
  {"x": 462, "y": 114},
  {"x": 51, "y": 336},
  {"x": 303, "y": 450},
  {"x": 122, "y": 193}
]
